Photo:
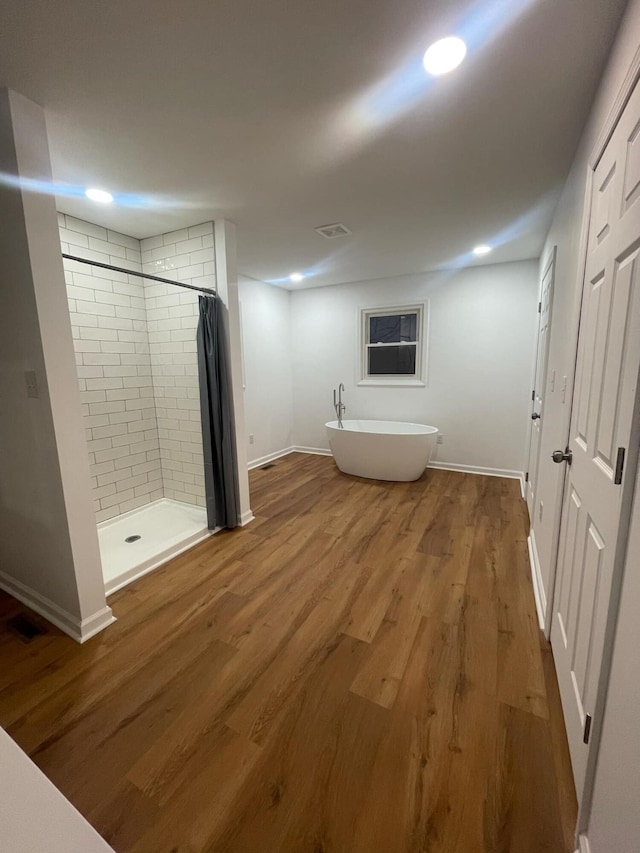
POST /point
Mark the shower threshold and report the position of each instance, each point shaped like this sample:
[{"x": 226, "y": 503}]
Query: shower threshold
[{"x": 141, "y": 540}]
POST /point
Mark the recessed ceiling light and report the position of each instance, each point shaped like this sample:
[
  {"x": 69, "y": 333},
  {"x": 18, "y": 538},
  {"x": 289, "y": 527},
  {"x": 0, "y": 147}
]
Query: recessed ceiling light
[
  {"x": 296, "y": 276},
  {"x": 482, "y": 250},
  {"x": 99, "y": 195},
  {"x": 444, "y": 55}
]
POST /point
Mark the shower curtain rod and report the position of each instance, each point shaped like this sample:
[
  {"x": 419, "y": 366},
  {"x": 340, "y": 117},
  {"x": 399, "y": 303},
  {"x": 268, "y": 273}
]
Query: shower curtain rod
[{"x": 139, "y": 274}]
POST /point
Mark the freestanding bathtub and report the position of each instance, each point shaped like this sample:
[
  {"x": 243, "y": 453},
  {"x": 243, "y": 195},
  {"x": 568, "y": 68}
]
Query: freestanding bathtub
[{"x": 381, "y": 450}]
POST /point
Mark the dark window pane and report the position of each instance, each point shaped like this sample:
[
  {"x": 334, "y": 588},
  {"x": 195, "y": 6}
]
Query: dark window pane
[
  {"x": 393, "y": 328},
  {"x": 399, "y": 361}
]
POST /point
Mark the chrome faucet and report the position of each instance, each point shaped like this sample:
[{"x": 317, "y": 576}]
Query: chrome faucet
[{"x": 338, "y": 405}]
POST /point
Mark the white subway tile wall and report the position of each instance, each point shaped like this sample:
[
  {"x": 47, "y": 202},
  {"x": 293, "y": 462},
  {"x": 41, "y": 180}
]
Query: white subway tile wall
[
  {"x": 111, "y": 342},
  {"x": 136, "y": 361},
  {"x": 187, "y": 255}
]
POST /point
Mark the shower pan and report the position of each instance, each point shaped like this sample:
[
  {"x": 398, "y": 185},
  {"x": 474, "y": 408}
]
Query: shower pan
[{"x": 139, "y": 541}]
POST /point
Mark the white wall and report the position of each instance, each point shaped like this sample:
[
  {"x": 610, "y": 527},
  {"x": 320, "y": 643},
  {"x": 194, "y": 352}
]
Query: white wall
[
  {"x": 481, "y": 349},
  {"x": 266, "y": 340},
  {"x": 49, "y": 554},
  {"x": 565, "y": 233}
]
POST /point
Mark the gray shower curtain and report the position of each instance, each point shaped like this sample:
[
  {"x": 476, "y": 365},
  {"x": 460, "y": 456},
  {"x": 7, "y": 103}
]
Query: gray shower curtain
[{"x": 216, "y": 408}]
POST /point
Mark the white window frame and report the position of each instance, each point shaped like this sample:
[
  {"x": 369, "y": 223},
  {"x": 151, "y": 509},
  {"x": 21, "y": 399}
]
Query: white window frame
[{"x": 419, "y": 379}]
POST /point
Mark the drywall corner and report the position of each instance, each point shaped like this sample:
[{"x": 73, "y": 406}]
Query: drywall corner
[
  {"x": 227, "y": 290},
  {"x": 48, "y": 538}
]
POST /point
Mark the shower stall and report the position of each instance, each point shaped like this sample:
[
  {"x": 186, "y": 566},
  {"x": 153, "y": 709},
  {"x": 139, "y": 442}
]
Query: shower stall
[{"x": 135, "y": 345}]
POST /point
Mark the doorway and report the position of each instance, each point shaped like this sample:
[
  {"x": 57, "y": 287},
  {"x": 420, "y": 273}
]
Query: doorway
[{"x": 540, "y": 381}]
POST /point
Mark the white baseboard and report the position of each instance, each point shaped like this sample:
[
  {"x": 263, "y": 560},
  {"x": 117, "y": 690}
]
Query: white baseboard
[
  {"x": 79, "y": 630},
  {"x": 96, "y": 623},
  {"x": 247, "y": 517},
  {"x": 538, "y": 586},
  {"x": 445, "y": 466},
  {"x": 584, "y": 847},
  {"x": 263, "y": 460},
  {"x": 478, "y": 469}
]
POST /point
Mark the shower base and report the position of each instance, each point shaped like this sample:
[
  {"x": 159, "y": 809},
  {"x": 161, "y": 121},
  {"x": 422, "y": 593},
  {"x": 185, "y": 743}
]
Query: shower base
[{"x": 165, "y": 528}]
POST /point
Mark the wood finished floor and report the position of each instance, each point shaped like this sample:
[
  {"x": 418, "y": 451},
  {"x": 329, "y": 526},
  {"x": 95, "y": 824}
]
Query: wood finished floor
[{"x": 358, "y": 670}]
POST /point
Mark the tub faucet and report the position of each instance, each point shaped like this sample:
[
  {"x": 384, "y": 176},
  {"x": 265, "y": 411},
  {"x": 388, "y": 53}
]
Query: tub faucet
[{"x": 338, "y": 405}]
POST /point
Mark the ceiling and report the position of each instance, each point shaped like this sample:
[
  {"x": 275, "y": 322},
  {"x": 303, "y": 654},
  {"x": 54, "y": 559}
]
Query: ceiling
[{"x": 284, "y": 115}]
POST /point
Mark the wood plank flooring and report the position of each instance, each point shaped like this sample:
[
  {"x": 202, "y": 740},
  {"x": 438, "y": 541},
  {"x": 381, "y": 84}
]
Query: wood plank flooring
[{"x": 358, "y": 670}]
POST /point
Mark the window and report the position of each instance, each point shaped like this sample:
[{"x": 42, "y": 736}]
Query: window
[{"x": 392, "y": 346}]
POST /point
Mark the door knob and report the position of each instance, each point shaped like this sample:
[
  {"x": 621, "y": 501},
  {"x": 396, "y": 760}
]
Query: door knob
[
  {"x": 535, "y": 416},
  {"x": 558, "y": 456}
]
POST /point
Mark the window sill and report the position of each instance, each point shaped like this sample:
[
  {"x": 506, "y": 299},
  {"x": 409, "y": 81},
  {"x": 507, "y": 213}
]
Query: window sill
[{"x": 391, "y": 383}]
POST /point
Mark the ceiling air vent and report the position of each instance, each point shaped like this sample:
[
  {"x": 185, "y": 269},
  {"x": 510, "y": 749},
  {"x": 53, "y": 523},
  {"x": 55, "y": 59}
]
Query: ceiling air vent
[{"x": 333, "y": 231}]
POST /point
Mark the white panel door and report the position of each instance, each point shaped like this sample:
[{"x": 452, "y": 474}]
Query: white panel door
[
  {"x": 540, "y": 382},
  {"x": 602, "y": 416}
]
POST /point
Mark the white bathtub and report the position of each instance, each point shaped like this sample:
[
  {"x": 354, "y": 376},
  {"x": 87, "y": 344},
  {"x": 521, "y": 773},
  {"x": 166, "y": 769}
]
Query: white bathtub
[{"x": 381, "y": 450}]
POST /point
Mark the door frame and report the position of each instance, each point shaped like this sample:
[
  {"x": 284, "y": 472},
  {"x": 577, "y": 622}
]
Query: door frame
[
  {"x": 550, "y": 264},
  {"x": 627, "y": 86}
]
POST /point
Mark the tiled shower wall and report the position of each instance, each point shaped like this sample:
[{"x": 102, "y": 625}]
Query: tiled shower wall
[
  {"x": 111, "y": 342},
  {"x": 188, "y": 256},
  {"x": 139, "y": 387}
]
